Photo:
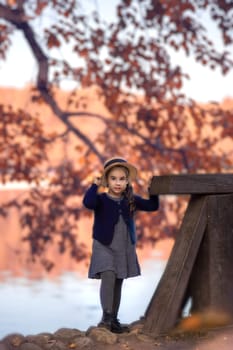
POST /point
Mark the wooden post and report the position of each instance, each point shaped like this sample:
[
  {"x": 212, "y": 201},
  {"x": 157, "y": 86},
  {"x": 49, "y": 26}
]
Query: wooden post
[
  {"x": 211, "y": 282},
  {"x": 202, "y": 257},
  {"x": 192, "y": 184},
  {"x": 166, "y": 303}
]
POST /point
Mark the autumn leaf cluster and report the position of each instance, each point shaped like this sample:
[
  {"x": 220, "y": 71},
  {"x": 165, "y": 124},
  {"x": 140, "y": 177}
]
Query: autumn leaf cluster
[{"x": 125, "y": 63}]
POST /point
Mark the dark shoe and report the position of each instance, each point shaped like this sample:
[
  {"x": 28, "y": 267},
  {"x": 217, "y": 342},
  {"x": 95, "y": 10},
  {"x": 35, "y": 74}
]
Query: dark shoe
[
  {"x": 117, "y": 327},
  {"x": 106, "y": 321}
]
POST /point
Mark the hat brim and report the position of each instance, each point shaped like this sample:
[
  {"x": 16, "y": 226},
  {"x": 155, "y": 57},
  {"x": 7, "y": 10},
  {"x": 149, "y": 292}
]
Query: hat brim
[{"x": 131, "y": 169}]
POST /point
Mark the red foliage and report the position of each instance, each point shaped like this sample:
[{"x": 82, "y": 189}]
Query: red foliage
[{"x": 146, "y": 118}]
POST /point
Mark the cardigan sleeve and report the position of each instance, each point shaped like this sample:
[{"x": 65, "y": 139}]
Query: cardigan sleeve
[
  {"x": 150, "y": 204},
  {"x": 90, "y": 199}
]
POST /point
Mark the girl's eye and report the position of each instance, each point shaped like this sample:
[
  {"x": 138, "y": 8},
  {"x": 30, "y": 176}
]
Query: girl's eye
[{"x": 120, "y": 179}]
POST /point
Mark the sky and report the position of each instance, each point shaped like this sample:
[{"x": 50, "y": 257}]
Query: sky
[{"x": 204, "y": 84}]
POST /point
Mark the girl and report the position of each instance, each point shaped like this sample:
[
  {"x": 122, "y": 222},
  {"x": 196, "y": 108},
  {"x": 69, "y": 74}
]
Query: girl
[{"x": 114, "y": 253}]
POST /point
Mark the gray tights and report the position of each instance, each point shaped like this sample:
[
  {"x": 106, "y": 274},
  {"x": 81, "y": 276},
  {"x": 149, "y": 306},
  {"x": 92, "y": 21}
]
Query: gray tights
[{"x": 110, "y": 292}]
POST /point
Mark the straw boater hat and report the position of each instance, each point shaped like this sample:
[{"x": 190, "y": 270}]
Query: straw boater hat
[{"x": 118, "y": 161}]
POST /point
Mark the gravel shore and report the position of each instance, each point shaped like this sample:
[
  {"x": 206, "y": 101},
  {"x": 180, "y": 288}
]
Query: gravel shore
[{"x": 96, "y": 338}]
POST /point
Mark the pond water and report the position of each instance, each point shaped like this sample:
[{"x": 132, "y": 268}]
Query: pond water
[{"x": 34, "y": 306}]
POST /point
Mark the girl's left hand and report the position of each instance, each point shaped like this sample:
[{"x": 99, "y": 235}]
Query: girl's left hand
[{"x": 97, "y": 180}]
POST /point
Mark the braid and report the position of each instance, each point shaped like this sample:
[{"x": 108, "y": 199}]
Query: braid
[{"x": 130, "y": 198}]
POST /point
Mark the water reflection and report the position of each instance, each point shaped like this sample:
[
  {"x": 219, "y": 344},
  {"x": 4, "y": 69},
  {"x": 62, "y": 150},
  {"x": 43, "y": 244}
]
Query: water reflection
[
  {"x": 32, "y": 301},
  {"x": 33, "y": 306}
]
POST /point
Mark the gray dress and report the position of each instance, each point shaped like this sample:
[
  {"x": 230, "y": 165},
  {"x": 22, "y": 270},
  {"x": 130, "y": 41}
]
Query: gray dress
[{"x": 120, "y": 256}]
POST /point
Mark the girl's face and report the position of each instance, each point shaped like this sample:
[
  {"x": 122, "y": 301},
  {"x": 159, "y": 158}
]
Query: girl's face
[{"x": 117, "y": 180}]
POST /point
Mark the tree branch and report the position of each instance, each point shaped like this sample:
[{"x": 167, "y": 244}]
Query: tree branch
[
  {"x": 154, "y": 145},
  {"x": 18, "y": 18}
]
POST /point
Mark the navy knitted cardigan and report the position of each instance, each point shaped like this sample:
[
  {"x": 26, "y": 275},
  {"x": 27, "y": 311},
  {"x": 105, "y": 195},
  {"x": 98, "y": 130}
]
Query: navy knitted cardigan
[{"x": 107, "y": 212}]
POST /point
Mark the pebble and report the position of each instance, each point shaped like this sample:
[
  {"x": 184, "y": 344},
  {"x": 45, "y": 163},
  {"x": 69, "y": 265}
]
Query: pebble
[
  {"x": 29, "y": 346},
  {"x": 62, "y": 339}
]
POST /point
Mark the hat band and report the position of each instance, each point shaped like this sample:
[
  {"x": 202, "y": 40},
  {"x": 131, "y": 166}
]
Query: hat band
[{"x": 115, "y": 160}]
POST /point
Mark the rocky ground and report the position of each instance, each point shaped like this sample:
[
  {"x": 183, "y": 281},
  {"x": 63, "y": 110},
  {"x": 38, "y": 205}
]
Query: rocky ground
[{"x": 101, "y": 339}]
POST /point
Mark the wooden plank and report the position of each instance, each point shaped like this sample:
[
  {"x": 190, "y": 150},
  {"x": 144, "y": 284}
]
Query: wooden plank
[
  {"x": 211, "y": 283},
  {"x": 192, "y": 184},
  {"x": 165, "y": 306}
]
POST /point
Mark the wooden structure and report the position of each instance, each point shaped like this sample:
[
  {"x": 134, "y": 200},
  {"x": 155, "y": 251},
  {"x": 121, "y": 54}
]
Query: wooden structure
[{"x": 201, "y": 261}]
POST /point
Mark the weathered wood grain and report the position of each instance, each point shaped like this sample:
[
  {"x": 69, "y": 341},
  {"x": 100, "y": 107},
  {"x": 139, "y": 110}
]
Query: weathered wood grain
[
  {"x": 211, "y": 283},
  {"x": 192, "y": 184},
  {"x": 165, "y": 306}
]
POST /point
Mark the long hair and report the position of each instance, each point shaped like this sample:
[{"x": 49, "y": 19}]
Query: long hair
[{"x": 128, "y": 193}]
